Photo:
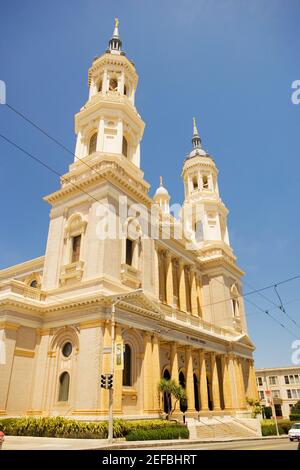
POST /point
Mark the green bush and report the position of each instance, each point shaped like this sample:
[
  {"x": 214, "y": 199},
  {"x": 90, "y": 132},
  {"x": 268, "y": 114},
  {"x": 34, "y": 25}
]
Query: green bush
[
  {"x": 171, "y": 432},
  {"x": 294, "y": 417},
  {"x": 268, "y": 427},
  {"x": 62, "y": 427},
  {"x": 270, "y": 430}
]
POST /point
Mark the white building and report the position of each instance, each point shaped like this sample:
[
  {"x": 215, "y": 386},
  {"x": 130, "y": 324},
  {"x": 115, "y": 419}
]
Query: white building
[{"x": 281, "y": 385}]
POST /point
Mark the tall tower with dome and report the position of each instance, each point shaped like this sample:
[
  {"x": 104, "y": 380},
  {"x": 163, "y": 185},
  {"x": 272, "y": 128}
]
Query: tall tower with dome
[{"x": 178, "y": 301}]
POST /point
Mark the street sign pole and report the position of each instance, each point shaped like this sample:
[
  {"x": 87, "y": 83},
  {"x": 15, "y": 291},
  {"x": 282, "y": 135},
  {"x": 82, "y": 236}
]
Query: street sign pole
[{"x": 111, "y": 392}]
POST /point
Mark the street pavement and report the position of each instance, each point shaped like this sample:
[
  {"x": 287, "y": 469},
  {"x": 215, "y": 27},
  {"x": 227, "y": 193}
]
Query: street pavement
[
  {"x": 47, "y": 443},
  {"x": 263, "y": 444}
]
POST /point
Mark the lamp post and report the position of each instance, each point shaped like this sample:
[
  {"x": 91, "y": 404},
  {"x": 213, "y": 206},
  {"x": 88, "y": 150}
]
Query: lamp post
[{"x": 115, "y": 300}]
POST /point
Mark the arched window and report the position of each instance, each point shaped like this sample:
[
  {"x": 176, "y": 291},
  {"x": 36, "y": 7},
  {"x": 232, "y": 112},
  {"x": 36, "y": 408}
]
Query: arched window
[
  {"x": 64, "y": 383},
  {"x": 125, "y": 147},
  {"x": 76, "y": 244},
  {"x": 166, "y": 398},
  {"x": 93, "y": 143},
  {"x": 113, "y": 84},
  {"x": 195, "y": 182},
  {"x": 205, "y": 182},
  {"x": 235, "y": 301},
  {"x": 100, "y": 86},
  {"x": 125, "y": 90},
  {"x": 34, "y": 284},
  {"x": 127, "y": 375}
]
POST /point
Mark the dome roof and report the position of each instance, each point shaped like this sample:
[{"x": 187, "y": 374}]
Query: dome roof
[{"x": 161, "y": 191}]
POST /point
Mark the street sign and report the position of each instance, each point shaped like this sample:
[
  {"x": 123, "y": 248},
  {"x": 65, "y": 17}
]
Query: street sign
[{"x": 119, "y": 355}]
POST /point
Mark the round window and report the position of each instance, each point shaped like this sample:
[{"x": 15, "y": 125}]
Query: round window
[{"x": 67, "y": 349}]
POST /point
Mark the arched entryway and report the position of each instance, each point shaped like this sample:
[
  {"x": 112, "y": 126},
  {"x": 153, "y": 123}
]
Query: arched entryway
[
  {"x": 166, "y": 376},
  {"x": 196, "y": 393},
  {"x": 182, "y": 382},
  {"x": 209, "y": 395}
]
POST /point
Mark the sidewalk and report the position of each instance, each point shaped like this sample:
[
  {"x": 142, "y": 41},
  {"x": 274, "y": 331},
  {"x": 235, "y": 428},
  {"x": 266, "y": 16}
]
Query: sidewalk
[{"x": 53, "y": 443}]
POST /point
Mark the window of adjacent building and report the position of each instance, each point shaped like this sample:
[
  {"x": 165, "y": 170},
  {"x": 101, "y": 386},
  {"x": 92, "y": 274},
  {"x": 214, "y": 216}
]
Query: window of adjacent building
[
  {"x": 261, "y": 394},
  {"x": 276, "y": 393},
  {"x": 129, "y": 251},
  {"x": 286, "y": 379},
  {"x": 67, "y": 349},
  {"x": 195, "y": 182},
  {"x": 127, "y": 376},
  {"x": 125, "y": 147},
  {"x": 205, "y": 182},
  {"x": 76, "y": 242},
  {"x": 291, "y": 378},
  {"x": 113, "y": 84},
  {"x": 278, "y": 410},
  {"x": 259, "y": 381},
  {"x": 93, "y": 143},
  {"x": 289, "y": 393},
  {"x": 296, "y": 376},
  {"x": 64, "y": 384},
  {"x": 273, "y": 380}
]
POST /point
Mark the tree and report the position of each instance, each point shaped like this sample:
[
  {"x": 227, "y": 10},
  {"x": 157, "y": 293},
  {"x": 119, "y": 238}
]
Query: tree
[
  {"x": 171, "y": 390},
  {"x": 255, "y": 406},
  {"x": 296, "y": 408}
]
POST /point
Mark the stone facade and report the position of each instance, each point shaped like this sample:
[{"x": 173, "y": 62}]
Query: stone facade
[{"x": 178, "y": 300}]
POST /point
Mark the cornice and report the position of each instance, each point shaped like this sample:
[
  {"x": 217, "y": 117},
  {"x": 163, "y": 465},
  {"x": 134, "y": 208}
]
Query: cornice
[{"x": 18, "y": 269}]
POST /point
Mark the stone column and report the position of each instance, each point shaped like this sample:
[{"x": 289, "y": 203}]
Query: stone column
[
  {"x": 118, "y": 378},
  {"x": 147, "y": 372},
  {"x": 182, "y": 292},
  {"x": 194, "y": 294},
  {"x": 169, "y": 281},
  {"x": 203, "y": 382},
  {"x": 239, "y": 383},
  {"x": 100, "y": 136},
  {"x": 174, "y": 366},
  {"x": 226, "y": 382},
  {"x": 189, "y": 378},
  {"x": 156, "y": 372},
  {"x": 199, "y": 295},
  {"x": 215, "y": 383},
  {"x": 253, "y": 393},
  {"x": 105, "y": 369}
]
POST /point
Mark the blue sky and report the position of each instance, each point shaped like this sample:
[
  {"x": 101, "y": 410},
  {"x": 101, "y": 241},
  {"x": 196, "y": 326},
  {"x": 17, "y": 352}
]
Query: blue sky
[{"x": 230, "y": 63}]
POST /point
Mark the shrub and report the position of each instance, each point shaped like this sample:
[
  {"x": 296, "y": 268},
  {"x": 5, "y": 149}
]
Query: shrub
[
  {"x": 62, "y": 427},
  {"x": 295, "y": 417},
  {"x": 171, "y": 432},
  {"x": 270, "y": 430}
]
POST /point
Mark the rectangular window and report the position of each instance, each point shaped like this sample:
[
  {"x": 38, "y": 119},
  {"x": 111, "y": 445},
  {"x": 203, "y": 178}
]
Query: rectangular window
[
  {"x": 276, "y": 393},
  {"x": 259, "y": 381},
  {"x": 289, "y": 394},
  {"x": 261, "y": 394},
  {"x": 292, "y": 381},
  {"x": 273, "y": 380},
  {"x": 286, "y": 379},
  {"x": 76, "y": 242},
  {"x": 296, "y": 378},
  {"x": 294, "y": 393},
  {"x": 129, "y": 251}
]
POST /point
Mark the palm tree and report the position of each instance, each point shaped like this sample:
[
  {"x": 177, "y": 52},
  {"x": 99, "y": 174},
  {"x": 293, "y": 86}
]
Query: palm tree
[{"x": 171, "y": 389}]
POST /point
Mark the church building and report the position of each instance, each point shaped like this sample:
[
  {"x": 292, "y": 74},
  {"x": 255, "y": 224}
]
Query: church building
[{"x": 162, "y": 291}]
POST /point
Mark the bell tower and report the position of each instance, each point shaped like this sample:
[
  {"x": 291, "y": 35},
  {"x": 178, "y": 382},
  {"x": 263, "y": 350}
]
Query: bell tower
[
  {"x": 109, "y": 122},
  {"x": 206, "y": 214}
]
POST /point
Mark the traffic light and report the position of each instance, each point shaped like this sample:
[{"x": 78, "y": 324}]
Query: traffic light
[
  {"x": 103, "y": 381},
  {"x": 110, "y": 380}
]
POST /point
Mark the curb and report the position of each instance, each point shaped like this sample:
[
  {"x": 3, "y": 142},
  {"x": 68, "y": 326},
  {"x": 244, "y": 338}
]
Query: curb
[{"x": 180, "y": 442}]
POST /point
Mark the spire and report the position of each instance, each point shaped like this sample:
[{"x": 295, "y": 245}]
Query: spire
[
  {"x": 161, "y": 181},
  {"x": 115, "y": 43},
  {"x": 196, "y": 141}
]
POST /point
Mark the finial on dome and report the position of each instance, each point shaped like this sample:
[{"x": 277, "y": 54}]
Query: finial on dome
[
  {"x": 196, "y": 141},
  {"x": 161, "y": 181},
  {"x": 115, "y": 43}
]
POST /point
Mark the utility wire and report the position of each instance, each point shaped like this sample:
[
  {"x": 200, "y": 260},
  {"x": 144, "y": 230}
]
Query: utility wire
[
  {"x": 282, "y": 308},
  {"x": 20, "y": 114}
]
